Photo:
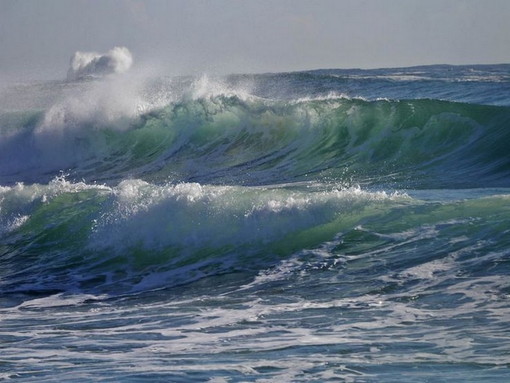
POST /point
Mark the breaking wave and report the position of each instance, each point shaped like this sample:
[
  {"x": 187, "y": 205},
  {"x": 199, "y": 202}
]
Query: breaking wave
[{"x": 225, "y": 139}]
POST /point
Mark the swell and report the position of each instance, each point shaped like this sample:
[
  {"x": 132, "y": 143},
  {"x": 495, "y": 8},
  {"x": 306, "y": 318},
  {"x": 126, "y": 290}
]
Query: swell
[{"x": 227, "y": 140}]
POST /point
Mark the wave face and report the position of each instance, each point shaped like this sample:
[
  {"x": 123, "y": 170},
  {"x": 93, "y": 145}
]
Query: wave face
[{"x": 315, "y": 226}]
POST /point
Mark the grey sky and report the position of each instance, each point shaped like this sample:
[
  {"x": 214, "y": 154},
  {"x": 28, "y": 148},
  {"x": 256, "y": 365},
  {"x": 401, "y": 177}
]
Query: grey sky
[{"x": 37, "y": 38}]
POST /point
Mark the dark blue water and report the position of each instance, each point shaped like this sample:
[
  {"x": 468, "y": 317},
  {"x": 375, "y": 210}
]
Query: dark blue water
[{"x": 331, "y": 225}]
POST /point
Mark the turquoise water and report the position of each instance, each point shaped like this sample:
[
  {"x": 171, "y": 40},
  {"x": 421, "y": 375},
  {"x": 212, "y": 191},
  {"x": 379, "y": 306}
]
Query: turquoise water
[{"x": 333, "y": 225}]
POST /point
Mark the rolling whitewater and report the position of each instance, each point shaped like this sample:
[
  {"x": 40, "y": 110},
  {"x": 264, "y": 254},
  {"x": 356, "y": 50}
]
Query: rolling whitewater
[{"x": 327, "y": 225}]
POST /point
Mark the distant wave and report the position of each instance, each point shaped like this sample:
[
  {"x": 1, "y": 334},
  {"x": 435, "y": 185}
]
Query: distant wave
[{"x": 92, "y": 64}]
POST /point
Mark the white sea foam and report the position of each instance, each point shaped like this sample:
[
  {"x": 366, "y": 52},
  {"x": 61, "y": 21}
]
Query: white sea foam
[{"x": 58, "y": 300}]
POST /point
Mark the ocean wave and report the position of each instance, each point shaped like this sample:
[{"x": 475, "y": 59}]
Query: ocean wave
[
  {"x": 138, "y": 235},
  {"x": 299, "y": 226},
  {"x": 231, "y": 140}
]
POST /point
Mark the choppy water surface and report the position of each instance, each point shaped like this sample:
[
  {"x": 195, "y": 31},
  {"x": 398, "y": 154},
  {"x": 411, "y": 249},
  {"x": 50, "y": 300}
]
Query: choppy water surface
[{"x": 329, "y": 225}]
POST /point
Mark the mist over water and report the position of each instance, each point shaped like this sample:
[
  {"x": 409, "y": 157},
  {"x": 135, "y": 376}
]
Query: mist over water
[{"x": 309, "y": 226}]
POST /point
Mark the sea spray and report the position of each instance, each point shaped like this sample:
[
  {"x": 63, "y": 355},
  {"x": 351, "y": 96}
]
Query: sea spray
[{"x": 92, "y": 64}]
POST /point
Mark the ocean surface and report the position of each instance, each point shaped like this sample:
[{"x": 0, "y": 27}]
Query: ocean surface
[{"x": 317, "y": 226}]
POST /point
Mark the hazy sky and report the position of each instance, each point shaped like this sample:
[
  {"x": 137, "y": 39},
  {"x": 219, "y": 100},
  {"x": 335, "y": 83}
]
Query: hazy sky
[{"x": 37, "y": 38}]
